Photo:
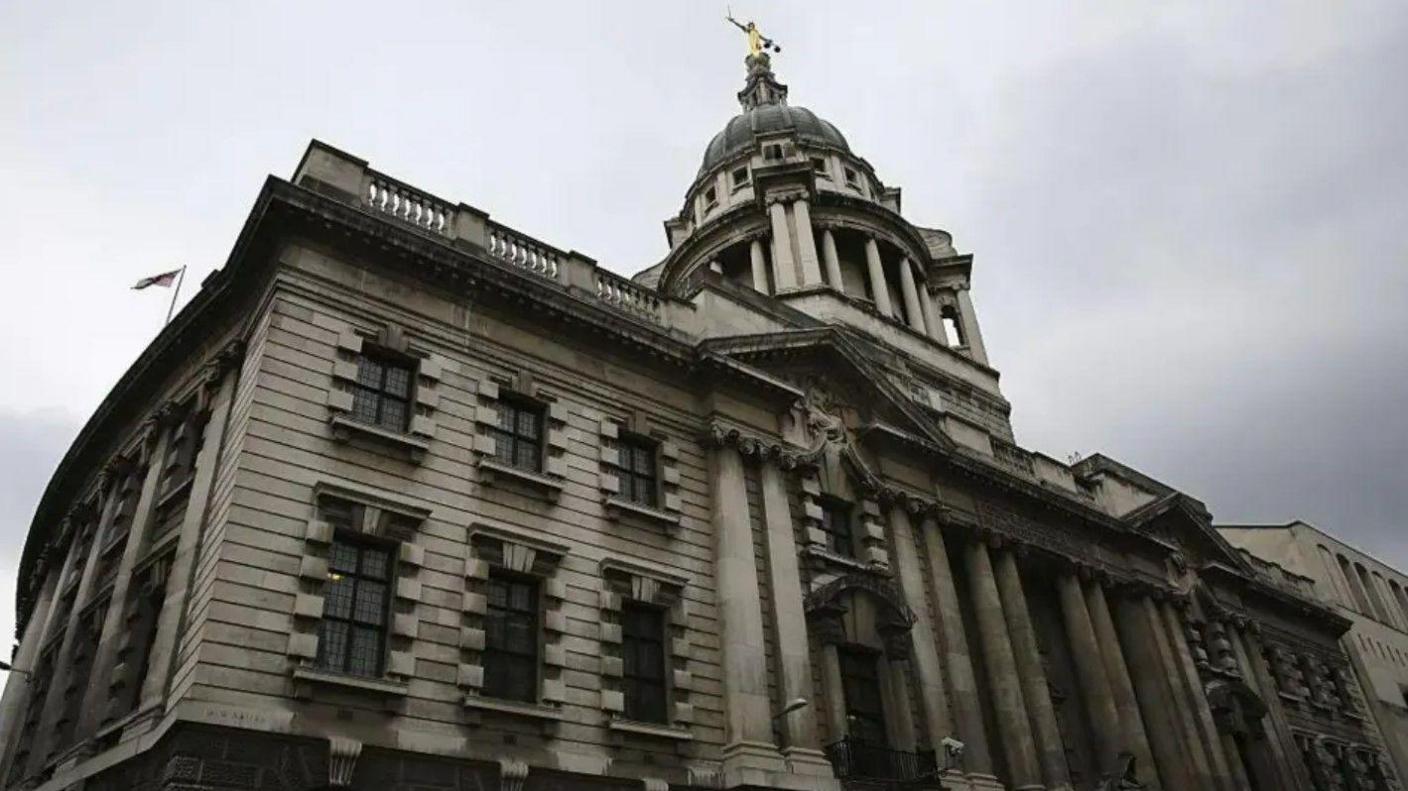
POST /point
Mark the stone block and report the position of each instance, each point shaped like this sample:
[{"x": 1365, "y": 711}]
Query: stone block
[
  {"x": 610, "y": 429},
  {"x": 611, "y": 456},
  {"x": 405, "y": 624},
  {"x": 671, "y": 476},
  {"x": 474, "y": 603},
  {"x": 610, "y": 483},
  {"x": 471, "y": 676},
  {"x": 472, "y": 639},
  {"x": 669, "y": 451},
  {"x": 613, "y": 700},
  {"x": 680, "y": 647},
  {"x": 486, "y": 414},
  {"x": 556, "y": 466},
  {"x": 611, "y": 633},
  {"x": 484, "y": 444},
  {"x": 428, "y": 396},
  {"x": 489, "y": 389},
  {"x": 557, "y": 411},
  {"x": 433, "y": 367},
  {"x": 349, "y": 341},
  {"x": 412, "y": 554},
  {"x": 345, "y": 369},
  {"x": 311, "y": 568},
  {"x": 609, "y": 600},
  {"x": 303, "y": 645},
  {"x": 683, "y": 680},
  {"x": 306, "y": 605},
  {"x": 684, "y": 712},
  {"x": 401, "y": 663},
  {"x": 339, "y": 400},
  {"x": 554, "y": 656},
  {"x": 318, "y": 532},
  {"x": 555, "y": 589},
  {"x": 476, "y": 568},
  {"x": 612, "y": 666},
  {"x": 422, "y": 426},
  {"x": 554, "y": 621},
  {"x": 672, "y": 502},
  {"x": 811, "y": 485},
  {"x": 554, "y": 691},
  {"x": 407, "y": 588}
]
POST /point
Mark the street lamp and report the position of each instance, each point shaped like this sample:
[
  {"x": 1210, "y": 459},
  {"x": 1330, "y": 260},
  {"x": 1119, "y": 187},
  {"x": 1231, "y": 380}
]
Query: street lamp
[{"x": 792, "y": 705}]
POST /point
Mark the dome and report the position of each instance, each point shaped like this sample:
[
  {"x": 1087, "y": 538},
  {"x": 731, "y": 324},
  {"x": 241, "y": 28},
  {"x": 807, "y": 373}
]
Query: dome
[{"x": 741, "y": 131}]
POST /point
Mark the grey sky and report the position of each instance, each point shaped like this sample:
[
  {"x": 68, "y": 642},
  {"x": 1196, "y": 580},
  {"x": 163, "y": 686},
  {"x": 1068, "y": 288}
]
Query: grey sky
[{"x": 1186, "y": 217}]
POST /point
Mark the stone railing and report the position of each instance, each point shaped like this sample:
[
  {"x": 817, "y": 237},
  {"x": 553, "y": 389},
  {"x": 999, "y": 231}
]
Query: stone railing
[
  {"x": 386, "y": 195},
  {"x": 523, "y": 251},
  {"x": 1279, "y": 576},
  {"x": 628, "y": 297},
  {"x": 1010, "y": 455}
]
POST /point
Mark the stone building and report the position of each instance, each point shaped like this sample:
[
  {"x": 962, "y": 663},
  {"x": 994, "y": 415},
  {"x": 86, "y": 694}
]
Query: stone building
[
  {"x": 408, "y": 499},
  {"x": 1371, "y": 594}
]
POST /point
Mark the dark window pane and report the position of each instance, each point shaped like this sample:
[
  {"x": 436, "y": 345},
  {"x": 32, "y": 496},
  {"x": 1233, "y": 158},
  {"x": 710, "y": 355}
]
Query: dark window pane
[
  {"x": 332, "y": 643},
  {"x": 365, "y": 656},
  {"x": 352, "y": 632},
  {"x": 398, "y": 382},
  {"x": 370, "y": 603},
  {"x": 369, "y": 373},
  {"x": 393, "y": 415},
  {"x": 375, "y": 563},
  {"x": 526, "y": 456},
  {"x": 528, "y": 424},
  {"x": 337, "y": 598},
  {"x": 364, "y": 403},
  {"x": 343, "y": 557}
]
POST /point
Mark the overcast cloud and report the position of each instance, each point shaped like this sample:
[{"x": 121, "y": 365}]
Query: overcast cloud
[{"x": 1187, "y": 218}]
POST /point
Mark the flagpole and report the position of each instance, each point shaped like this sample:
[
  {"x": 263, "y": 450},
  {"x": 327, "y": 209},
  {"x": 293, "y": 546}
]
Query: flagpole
[{"x": 179, "y": 278}]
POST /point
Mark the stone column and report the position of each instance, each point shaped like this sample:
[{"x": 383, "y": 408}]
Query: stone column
[
  {"x": 894, "y": 692},
  {"x": 933, "y": 696},
  {"x": 747, "y": 704},
  {"x": 784, "y": 270},
  {"x": 1182, "y": 711},
  {"x": 1050, "y": 749},
  {"x": 1008, "y": 701},
  {"x": 1126, "y": 705},
  {"x": 17, "y": 687},
  {"x": 932, "y": 320},
  {"x": 957, "y": 661},
  {"x": 760, "y": 266},
  {"x": 167, "y": 630},
  {"x": 1193, "y": 685},
  {"x": 971, "y": 335},
  {"x": 806, "y": 243},
  {"x": 878, "y": 289},
  {"x": 1156, "y": 708},
  {"x": 1099, "y": 700},
  {"x": 1287, "y": 765},
  {"x": 831, "y": 261},
  {"x": 913, "y": 313},
  {"x": 835, "y": 690},
  {"x": 801, "y": 748},
  {"x": 96, "y": 700}
]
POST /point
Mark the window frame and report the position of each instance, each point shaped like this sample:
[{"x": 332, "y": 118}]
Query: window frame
[
  {"x": 830, "y": 506},
  {"x": 852, "y": 177},
  {"x": 388, "y": 361},
  {"x": 492, "y": 654},
  {"x": 632, "y": 678},
  {"x": 853, "y": 657},
  {"x": 739, "y": 183},
  {"x": 821, "y": 167},
  {"x": 518, "y": 405},
  {"x": 362, "y": 544},
  {"x": 628, "y": 474}
]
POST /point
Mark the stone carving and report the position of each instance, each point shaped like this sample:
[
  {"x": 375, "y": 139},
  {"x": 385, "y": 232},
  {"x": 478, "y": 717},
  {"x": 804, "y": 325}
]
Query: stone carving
[
  {"x": 512, "y": 774},
  {"x": 342, "y": 760},
  {"x": 823, "y": 424}
]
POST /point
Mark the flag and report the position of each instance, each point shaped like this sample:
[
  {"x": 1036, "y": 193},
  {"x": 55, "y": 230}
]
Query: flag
[{"x": 165, "y": 279}]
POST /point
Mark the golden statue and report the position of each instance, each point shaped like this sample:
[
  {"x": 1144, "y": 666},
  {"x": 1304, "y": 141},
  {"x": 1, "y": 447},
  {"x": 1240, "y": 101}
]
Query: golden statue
[{"x": 758, "y": 44}]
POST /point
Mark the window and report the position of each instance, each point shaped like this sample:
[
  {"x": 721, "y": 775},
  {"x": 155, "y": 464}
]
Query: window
[
  {"x": 352, "y": 634},
  {"x": 381, "y": 395},
  {"x": 740, "y": 177},
  {"x": 953, "y": 330},
  {"x": 511, "y": 639},
  {"x": 819, "y": 167},
  {"x": 773, "y": 151},
  {"x": 836, "y": 523},
  {"x": 852, "y": 178},
  {"x": 860, "y": 682},
  {"x": 643, "y": 648},
  {"x": 518, "y": 438},
  {"x": 711, "y": 198},
  {"x": 637, "y": 467}
]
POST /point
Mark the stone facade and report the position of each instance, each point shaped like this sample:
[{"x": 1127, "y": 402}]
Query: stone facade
[
  {"x": 407, "y": 499},
  {"x": 1371, "y": 594}
]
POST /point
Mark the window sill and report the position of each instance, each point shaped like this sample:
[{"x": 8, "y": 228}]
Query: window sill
[
  {"x": 492, "y": 469},
  {"x": 658, "y": 730},
  {"x": 380, "y": 686},
  {"x": 834, "y": 559},
  {"x": 516, "y": 708},
  {"x": 620, "y": 505},
  {"x": 344, "y": 428},
  {"x": 184, "y": 487}
]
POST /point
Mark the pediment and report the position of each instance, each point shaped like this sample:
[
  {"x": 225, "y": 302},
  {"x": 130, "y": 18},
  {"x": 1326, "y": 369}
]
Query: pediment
[
  {"x": 1181, "y": 522},
  {"x": 845, "y": 389}
]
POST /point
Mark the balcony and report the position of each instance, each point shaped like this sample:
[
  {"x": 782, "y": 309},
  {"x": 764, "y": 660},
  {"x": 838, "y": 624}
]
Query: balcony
[{"x": 864, "y": 763}]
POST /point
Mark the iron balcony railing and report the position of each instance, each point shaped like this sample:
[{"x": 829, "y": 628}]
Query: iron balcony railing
[{"x": 854, "y": 759}]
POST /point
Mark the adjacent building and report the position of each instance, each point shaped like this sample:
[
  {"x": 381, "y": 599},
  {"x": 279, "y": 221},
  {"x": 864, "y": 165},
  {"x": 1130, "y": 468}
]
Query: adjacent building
[
  {"x": 1371, "y": 594},
  {"x": 406, "y": 499}
]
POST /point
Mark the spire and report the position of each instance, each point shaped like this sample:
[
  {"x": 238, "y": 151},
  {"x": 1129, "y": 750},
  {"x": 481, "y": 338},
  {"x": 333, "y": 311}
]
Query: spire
[{"x": 762, "y": 86}]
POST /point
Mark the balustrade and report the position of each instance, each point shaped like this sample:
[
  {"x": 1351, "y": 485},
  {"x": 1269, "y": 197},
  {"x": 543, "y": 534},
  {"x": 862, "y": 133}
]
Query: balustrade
[
  {"x": 407, "y": 204},
  {"x": 856, "y": 759},
  {"x": 628, "y": 297},
  {"x": 524, "y": 252}
]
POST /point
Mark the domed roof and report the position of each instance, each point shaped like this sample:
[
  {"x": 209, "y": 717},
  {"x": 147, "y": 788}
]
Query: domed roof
[{"x": 742, "y": 130}]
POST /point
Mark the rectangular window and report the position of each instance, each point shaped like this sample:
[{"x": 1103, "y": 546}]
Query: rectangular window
[
  {"x": 860, "y": 681},
  {"x": 352, "y": 634},
  {"x": 773, "y": 151},
  {"x": 511, "y": 639},
  {"x": 382, "y": 393},
  {"x": 637, "y": 468},
  {"x": 711, "y": 198},
  {"x": 643, "y": 648},
  {"x": 836, "y": 523},
  {"x": 518, "y": 438},
  {"x": 819, "y": 166},
  {"x": 740, "y": 177},
  {"x": 852, "y": 178}
]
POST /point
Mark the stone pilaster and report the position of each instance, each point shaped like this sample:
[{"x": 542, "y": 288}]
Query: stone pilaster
[
  {"x": 932, "y": 319},
  {"x": 1206, "y": 728},
  {"x": 784, "y": 269},
  {"x": 1152, "y": 696},
  {"x": 830, "y": 261},
  {"x": 928, "y": 669},
  {"x": 17, "y": 687},
  {"x": 971, "y": 334},
  {"x": 1051, "y": 751},
  {"x": 800, "y": 745},
  {"x": 806, "y": 243},
  {"x": 748, "y": 747},
  {"x": 1291, "y": 769},
  {"x": 1182, "y": 712},
  {"x": 913, "y": 313},
  {"x": 1117, "y": 671},
  {"x": 1107, "y": 738},
  {"x": 173, "y": 610},
  {"x": 1007, "y": 698},
  {"x": 760, "y": 266},
  {"x": 875, "y": 269},
  {"x": 957, "y": 661}
]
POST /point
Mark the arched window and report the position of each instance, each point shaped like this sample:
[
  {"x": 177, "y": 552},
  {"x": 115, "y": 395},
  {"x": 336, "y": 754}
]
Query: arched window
[
  {"x": 953, "y": 328},
  {"x": 1361, "y": 603},
  {"x": 1376, "y": 608},
  {"x": 1335, "y": 584}
]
